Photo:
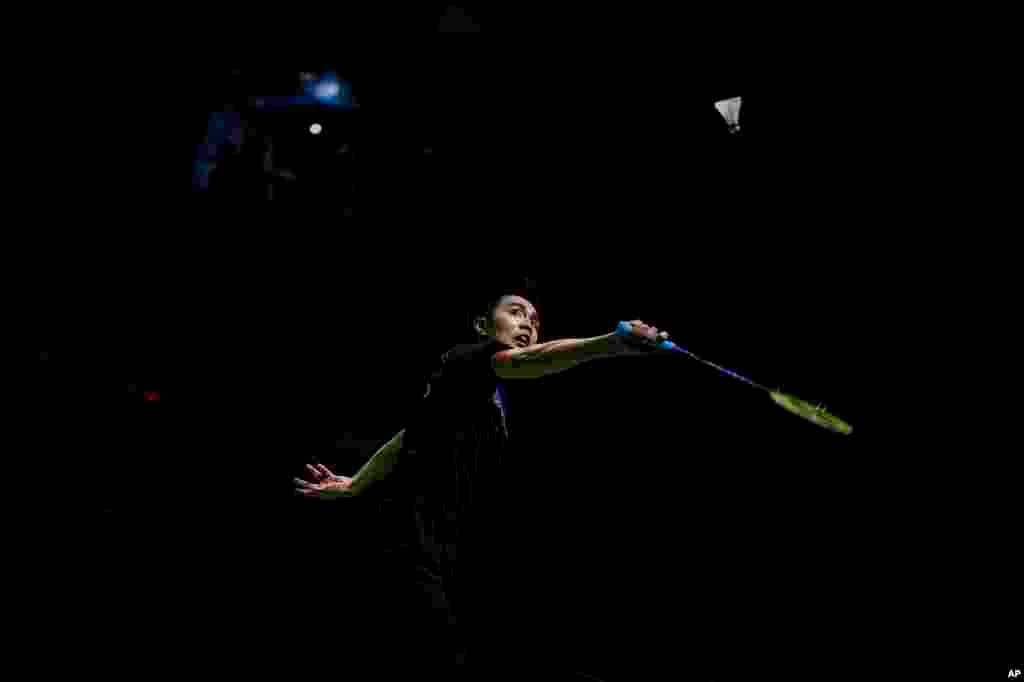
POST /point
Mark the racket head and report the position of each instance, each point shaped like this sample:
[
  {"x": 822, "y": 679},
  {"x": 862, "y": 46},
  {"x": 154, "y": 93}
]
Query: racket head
[{"x": 812, "y": 413}]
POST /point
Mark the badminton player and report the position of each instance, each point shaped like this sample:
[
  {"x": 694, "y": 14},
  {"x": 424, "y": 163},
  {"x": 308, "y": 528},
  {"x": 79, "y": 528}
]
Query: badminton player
[{"x": 450, "y": 587}]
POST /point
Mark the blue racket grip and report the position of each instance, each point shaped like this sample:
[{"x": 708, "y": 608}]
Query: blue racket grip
[{"x": 623, "y": 330}]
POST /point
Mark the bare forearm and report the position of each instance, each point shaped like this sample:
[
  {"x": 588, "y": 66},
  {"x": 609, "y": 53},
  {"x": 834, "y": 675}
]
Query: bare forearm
[
  {"x": 379, "y": 465},
  {"x": 556, "y": 356}
]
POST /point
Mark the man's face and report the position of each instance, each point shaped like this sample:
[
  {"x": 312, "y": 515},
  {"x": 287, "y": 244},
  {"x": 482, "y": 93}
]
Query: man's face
[{"x": 515, "y": 322}]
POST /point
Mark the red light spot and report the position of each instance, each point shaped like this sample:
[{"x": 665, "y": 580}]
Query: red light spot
[{"x": 151, "y": 395}]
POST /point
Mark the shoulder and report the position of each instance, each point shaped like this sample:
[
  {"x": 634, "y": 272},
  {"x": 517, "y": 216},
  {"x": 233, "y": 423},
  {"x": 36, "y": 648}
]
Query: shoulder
[
  {"x": 469, "y": 359},
  {"x": 472, "y": 351}
]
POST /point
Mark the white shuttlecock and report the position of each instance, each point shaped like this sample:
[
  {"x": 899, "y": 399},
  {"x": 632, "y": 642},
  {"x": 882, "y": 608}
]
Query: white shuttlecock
[{"x": 730, "y": 111}]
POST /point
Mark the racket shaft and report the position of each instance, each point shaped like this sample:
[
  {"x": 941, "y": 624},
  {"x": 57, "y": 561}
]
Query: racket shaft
[{"x": 723, "y": 370}]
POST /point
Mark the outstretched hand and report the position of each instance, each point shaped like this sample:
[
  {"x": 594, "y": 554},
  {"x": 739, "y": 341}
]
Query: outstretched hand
[
  {"x": 325, "y": 484},
  {"x": 643, "y": 338}
]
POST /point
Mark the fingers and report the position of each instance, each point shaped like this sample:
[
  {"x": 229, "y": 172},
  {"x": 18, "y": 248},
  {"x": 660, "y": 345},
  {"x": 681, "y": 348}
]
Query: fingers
[
  {"x": 312, "y": 494},
  {"x": 647, "y": 333},
  {"x": 325, "y": 482},
  {"x": 319, "y": 472},
  {"x": 325, "y": 490},
  {"x": 307, "y": 489},
  {"x": 641, "y": 326}
]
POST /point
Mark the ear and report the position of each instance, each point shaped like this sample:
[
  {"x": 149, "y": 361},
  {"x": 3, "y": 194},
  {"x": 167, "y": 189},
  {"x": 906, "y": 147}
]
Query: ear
[{"x": 480, "y": 325}]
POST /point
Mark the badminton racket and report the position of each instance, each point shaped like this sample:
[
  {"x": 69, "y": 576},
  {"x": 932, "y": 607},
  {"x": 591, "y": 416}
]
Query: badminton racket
[{"x": 814, "y": 413}]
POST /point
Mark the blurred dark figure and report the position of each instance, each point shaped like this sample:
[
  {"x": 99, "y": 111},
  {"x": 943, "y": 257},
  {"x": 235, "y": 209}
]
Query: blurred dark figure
[{"x": 246, "y": 171}]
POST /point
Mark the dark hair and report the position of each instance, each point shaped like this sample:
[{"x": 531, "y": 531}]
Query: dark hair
[{"x": 487, "y": 298}]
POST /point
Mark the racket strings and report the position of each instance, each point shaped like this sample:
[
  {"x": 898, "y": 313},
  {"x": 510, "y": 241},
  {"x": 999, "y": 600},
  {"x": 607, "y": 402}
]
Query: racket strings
[{"x": 816, "y": 414}]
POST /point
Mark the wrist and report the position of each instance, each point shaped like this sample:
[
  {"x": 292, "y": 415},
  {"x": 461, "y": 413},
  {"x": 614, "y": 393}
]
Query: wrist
[
  {"x": 354, "y": 488},
  {"x": 610, "y": 345}
]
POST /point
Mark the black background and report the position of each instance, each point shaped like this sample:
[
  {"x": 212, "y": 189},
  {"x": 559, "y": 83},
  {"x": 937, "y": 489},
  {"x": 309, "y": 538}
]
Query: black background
[{"x": 854, "y": 244}]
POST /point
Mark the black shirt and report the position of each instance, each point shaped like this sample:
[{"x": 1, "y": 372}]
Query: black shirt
[{"x": 451, "y": 473}]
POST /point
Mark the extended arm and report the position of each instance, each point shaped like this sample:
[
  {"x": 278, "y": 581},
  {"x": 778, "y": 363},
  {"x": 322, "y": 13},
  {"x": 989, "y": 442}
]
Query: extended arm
[
  {"x": 379, "y": 465},
  {"x": 551, "y": 357}
]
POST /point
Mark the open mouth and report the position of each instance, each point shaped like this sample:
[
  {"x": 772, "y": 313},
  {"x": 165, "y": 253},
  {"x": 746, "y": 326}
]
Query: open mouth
[{"x": 522, "y": 339}]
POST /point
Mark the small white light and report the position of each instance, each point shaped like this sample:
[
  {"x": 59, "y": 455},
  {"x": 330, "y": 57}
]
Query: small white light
[{"x": 316, "y": 128}]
